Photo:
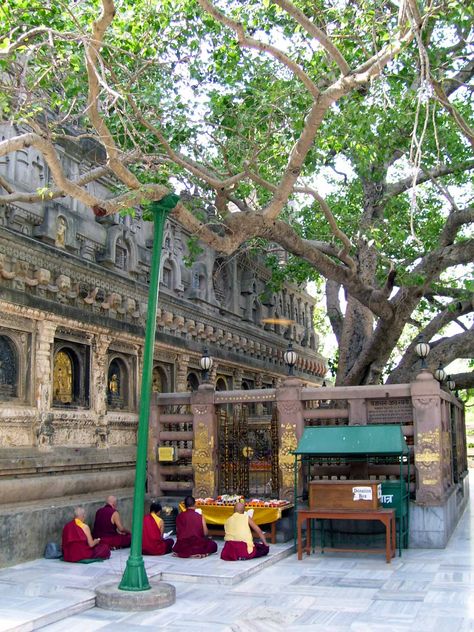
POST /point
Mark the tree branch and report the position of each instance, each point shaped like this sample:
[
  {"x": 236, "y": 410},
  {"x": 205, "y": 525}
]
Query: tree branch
[
  {"x": 66, "y": 186},
  {"x": 318, "y": 34},
  {"x": 463, "y": 380},
  {"x": 333, "y": 308},
  {"x": 453, "y": 224},
  {"x": 250, "y": 42},
  {"x": 92, "y": 50},
  {"x": 401, "y": 186},
  {"x": 449, "y": 107}
]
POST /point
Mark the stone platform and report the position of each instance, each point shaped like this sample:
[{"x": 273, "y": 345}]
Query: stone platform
[{"x": 38, "y": 593}]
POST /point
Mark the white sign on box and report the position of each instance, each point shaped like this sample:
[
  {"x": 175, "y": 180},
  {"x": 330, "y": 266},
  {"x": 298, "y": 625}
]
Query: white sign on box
[{"x": 362, "y": 493}]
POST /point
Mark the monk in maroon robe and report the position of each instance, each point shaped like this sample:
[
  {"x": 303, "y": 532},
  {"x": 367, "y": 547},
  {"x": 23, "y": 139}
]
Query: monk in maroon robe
[
  {"x": 239, "y": 544},
  {"x": 108, "y": 526},
  {"x": 77, "y": 541},
  {"x": 191, "y": 533},
  {"x": 153, "y": 542}
]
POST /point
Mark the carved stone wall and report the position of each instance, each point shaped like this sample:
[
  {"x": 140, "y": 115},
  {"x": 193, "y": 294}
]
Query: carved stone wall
[{"x": 68, "y": 278}]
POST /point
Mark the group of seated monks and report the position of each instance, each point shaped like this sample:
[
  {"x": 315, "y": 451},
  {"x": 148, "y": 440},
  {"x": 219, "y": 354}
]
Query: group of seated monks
[{"x": 192, "y": 539}]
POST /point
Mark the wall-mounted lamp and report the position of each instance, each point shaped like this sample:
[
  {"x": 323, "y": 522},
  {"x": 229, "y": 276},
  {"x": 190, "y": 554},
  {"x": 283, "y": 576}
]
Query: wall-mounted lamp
[
  {"x": 290, "y": 356},
  {"x": 450, "y": 383},
  {"x": 422, "y": 350},
  {"x": 206, "y": 363},
  {"x": 440, "y": 373}
]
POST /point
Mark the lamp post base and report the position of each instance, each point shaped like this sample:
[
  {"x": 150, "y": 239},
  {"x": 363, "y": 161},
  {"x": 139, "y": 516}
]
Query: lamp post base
[
  {"x": 159, "y": 595},
  {"x": 134, "y": 577}
]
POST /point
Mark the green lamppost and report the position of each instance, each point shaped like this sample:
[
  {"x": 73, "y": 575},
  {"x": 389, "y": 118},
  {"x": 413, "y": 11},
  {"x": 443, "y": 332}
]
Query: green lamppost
[{"x": 135, "y": 577}]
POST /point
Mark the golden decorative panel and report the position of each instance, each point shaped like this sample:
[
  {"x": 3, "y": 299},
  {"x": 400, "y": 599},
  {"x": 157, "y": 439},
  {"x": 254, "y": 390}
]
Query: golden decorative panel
[
  {"x": 286, "y": 460},
  {"x": 62, "y": 378}
]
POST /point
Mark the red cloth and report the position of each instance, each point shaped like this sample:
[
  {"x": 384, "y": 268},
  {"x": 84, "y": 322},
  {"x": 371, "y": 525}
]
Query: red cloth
[
  {"x": 152, "y": 540},
  {"x": 190, "y": 538},
  {"x": 234, "y": 551},
  {"x": 105, "y": 529},
  {"x": 75, "y": 546}
]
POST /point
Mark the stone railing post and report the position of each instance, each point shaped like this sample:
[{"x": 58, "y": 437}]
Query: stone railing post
[
  {"x": 205, "y": 458},
  {"x": 291, "y": 426},
  {"x": 425, "y": 394}
]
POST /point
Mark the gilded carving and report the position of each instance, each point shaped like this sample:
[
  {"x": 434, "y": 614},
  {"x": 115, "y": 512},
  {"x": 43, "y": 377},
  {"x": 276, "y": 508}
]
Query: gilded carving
[
  {"x": 202, "y": 461},
  {"x": 427, "y": 457},
  {"x": 288, "y": 443},
  {"x": 200, "y": 410}
]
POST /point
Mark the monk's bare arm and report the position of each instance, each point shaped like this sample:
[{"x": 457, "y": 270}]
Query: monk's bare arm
[
  {"x": 204, "y": 526},
  {"x": 90, "y": 540},
  {"x": 118, "y": 523},
  {"x": 256, "y": 529}
]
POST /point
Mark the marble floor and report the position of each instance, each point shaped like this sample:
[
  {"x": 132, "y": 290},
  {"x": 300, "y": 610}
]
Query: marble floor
[{"x": 424, "y": 590}]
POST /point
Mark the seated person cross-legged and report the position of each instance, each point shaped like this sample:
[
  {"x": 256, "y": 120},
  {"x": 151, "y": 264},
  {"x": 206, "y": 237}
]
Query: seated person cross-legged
[
  {"x": 153, "y": 542},
  {"x": 239, "y": 544},
  {"x": 191, "y": 533},
  {"x": 77, "y": 541},
  {"x": 108, "y": 526}
]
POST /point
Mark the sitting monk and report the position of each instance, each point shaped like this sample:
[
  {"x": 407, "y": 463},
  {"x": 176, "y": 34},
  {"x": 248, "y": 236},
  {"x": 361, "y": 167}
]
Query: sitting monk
[
  {"x": 153, "y": 542},
  {"x": 108, "y": 526},
  {"x": 191, "y": 533},
  {"x": 77, "y": 542},
  {"x": 239, "y": 544}
]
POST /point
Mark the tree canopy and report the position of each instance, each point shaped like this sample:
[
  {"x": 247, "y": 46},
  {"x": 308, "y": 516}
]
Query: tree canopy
[{"x": 340, "y": 130}]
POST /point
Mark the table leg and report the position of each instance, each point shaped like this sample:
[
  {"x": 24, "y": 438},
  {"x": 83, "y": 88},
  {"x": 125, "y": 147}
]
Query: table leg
[
  {"x": 308, "y": 535},
  {"x": 273, "y": 538},
  {"x": 299, "y": 543},
  {"x": 394, "y": 535},
  {"x": 387, "y": 520}
]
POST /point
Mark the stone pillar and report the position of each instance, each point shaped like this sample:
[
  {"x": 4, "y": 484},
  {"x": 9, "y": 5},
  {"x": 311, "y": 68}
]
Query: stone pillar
[
  {"x": 45, "y": 332},
  {"x": 213, "y": 373},
  {"x": 425, "y": 394},
  {"x": 204, "y": 459},
  {"x": 357, "y": 412},
  {"x": 291, "y": 426},
  {"x": 238, "y": 376},
  {"x": 258, "y": 405},
  {"x": 99, "y": 366},
  {"x": 182, "y": 364}
]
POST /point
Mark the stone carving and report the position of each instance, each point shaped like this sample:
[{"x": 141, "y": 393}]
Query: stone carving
[
  {"x": 61, "y": 229},
  {"x": 289, "y": 407},
  {"x": 288, "y": 443},
  {"x": 425, "y": 402},
  {"x": 63, "y": 283}
]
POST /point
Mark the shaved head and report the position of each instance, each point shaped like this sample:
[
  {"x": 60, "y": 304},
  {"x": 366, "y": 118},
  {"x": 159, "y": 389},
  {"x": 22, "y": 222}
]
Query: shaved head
[
  {"x": 111, "y": 500},
  {"x": 239, "y": 508},
  {"x": 79, "y": 512}
]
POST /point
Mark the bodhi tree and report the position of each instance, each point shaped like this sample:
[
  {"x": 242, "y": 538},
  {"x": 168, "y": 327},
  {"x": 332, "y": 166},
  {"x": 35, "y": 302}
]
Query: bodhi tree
[{"x": 340, "y": 131}]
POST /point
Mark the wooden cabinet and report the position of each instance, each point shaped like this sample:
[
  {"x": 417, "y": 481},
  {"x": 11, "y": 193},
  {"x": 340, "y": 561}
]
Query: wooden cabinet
[{"x": 357, "y": 495}]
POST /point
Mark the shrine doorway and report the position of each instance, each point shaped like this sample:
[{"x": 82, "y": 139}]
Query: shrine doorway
[{"x": 247, "y": 452}]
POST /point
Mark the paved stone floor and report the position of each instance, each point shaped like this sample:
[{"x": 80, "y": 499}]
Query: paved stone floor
[{"x": 424, "y": 590}]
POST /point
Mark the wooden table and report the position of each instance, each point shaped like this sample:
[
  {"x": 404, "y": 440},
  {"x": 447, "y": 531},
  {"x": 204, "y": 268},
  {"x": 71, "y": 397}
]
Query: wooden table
[
  {"x": 385, "y": 516},
  {"x": 216, "y": 515}
]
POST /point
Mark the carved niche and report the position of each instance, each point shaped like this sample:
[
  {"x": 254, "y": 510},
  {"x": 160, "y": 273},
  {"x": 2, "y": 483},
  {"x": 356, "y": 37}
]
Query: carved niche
[
  {"x": 71, "y": 374},
  {"x": 15, "y": 366}
]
